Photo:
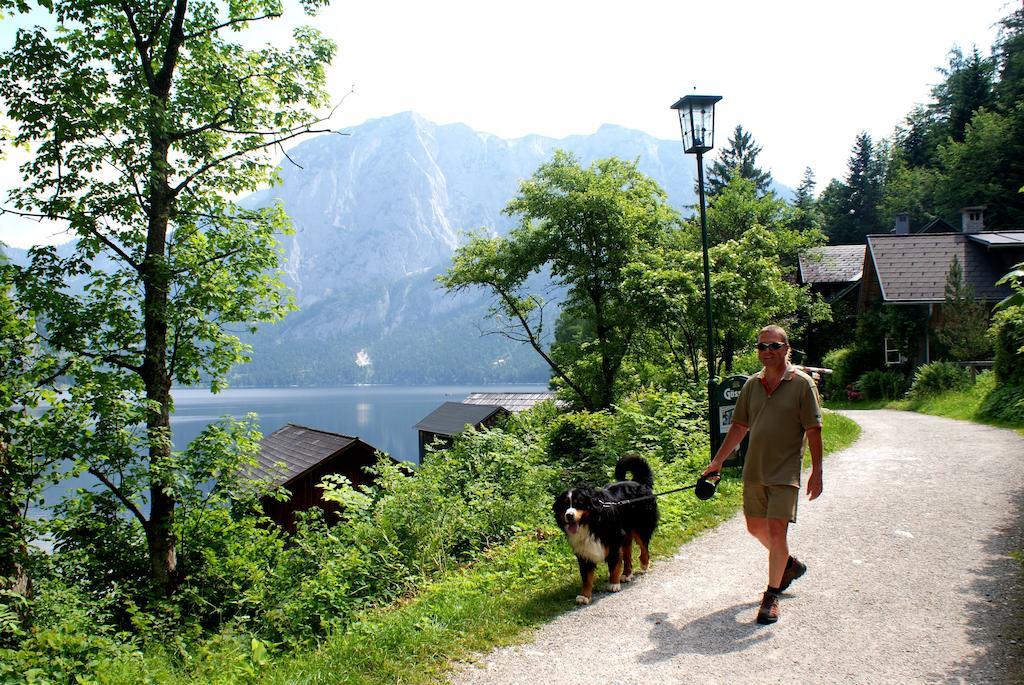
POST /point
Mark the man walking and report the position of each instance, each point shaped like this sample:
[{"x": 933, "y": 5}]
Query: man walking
[{"x": 778, "y": 406}]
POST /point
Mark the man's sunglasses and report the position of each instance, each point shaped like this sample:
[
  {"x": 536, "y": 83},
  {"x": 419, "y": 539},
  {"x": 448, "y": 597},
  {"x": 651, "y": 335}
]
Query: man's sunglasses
[{"x": 770, "y": 346}]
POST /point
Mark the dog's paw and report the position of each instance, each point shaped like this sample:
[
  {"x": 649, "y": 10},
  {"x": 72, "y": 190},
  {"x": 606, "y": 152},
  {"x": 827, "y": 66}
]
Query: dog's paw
[
  {"x": 626, "y": 578},
  {"x": 614, "y": 587},
  {"x": 582, "y": 599}
]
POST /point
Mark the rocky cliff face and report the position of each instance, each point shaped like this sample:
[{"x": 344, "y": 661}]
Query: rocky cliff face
[{"x": 378, "y": 212}]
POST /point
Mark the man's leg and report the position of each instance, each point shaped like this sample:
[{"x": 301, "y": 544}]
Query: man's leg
[{"x": 772, "y": 533}]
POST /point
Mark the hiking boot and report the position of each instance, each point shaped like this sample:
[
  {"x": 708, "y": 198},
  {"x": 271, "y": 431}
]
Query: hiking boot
[
  {"x": 769, "y": 611},
  {"x": 794, "y": 569}
]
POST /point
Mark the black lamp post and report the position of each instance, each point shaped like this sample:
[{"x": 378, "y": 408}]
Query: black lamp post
[{"x": 697, "y": 121}]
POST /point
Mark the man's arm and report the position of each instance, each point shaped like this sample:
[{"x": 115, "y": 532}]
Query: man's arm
[
  {"x": 733, "y": 438},
  {"x": 815, "y": 483}
]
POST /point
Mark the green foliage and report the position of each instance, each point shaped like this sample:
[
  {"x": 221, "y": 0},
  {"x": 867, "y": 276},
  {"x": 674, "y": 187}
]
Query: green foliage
[
  {"x": 964, "y": 329},
  {"x": 851, "y": 207},
  {"x": 738, "y": 159},
  {"x": 1005, "y": 403},
  {"x": 843, "y": 373},
  {"x": 141, "y": 121},
  {"x": 939, "y": 377},
  {"x": 806, "y": 213},
  {"x": 882, "y": 385},
  {"x": 70, "y": 640},
  {"x": 582, "y": 226},
  {"x": 749, "y": 285},
  {"x": 1008, "y": 334}
]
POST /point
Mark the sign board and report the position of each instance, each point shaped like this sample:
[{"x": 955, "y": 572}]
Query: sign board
[{"x": 726, "y": 395}]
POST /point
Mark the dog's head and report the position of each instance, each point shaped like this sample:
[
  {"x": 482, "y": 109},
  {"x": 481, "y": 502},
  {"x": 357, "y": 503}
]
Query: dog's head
[{"x": 574, "y": 507}]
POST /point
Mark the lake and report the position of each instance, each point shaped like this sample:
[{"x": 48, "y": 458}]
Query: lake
[{"x": 380, "y": 415}]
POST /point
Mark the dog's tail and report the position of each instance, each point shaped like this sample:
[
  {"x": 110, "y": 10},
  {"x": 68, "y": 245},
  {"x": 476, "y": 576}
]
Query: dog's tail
[{"x": 637, "y": 467}]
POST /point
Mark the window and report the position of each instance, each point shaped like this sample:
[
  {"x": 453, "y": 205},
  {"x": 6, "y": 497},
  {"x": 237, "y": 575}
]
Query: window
[{"x": 893, "y": 355}]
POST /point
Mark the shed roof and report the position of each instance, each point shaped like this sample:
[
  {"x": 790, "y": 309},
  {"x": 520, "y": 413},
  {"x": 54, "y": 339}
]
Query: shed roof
[
  {"x": 913, "y": 268},
  {"x": 998, "y": 239},
  {"x": 452, "y": 417},
  {"x": 292, "y": 450},
  {"x": 832, "y": 264},
  {"x": 514, "y": 402}
]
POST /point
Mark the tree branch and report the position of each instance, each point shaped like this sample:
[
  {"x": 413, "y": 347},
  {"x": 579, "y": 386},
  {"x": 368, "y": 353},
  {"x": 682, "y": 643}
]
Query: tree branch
[
  {"x": 535, "y": 344},
  {"x": 238, "y": 153},
  {"x": 120, "y": 495},
  {"x": 142, "y": 44},
  {"x": 231, "y": 22}
]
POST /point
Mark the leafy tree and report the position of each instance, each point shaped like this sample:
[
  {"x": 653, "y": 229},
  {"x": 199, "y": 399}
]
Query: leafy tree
[
  {"x": 908, "y": 189},
  {"x": 985, "y": 169},
  {"x": 964, "y": 329},
  {"x": 738, "y": 158},
  {"x": 582, "y": 226},
  {"x": 749, "y": 285},
  {"x": 144, "y": 118}
]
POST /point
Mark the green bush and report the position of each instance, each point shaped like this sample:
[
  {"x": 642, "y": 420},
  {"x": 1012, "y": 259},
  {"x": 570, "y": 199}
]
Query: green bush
[
  {"x": 939, "y": 377},
  {"x": 841, "y": 376},
  {"x": 1008, "y": 331},
  {"x": 1005, "y": 403},
  {"x": 71, "y": 637},
  {"x": 882, "y": 385}
]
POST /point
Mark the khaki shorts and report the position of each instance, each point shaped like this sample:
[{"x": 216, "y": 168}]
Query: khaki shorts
[{"x": 770, "y": 501}]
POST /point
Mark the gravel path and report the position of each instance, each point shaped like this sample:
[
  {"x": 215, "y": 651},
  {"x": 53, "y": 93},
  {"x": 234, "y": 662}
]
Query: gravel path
[{"x": 909, "y": 581}]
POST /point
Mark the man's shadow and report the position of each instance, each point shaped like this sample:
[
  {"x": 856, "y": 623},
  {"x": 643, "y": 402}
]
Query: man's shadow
[{"x": 727, "y": 630}]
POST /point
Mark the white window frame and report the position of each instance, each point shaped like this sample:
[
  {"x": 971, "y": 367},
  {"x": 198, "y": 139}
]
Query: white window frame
[{"x": 893, "y": 356}]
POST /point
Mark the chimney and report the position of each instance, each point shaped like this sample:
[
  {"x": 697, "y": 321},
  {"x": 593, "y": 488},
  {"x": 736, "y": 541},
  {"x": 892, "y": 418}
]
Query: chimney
[
  {"x": 902, "y": 224},
  {"x": 972, "y": 219}
]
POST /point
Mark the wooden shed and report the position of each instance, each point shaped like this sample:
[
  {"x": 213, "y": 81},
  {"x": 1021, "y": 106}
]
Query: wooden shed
[
  {"x": 451, "y": 418},
  {"x": 298, "y": 458}
]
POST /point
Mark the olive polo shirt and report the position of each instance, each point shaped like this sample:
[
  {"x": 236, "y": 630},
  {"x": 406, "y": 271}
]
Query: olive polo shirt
[{"x": 777, "y": 423}]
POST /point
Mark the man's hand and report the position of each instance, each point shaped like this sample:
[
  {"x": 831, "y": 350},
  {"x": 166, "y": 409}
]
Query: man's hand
[
  {"x": 713, "y": 468},
  {"x": 814, "y": 484}
]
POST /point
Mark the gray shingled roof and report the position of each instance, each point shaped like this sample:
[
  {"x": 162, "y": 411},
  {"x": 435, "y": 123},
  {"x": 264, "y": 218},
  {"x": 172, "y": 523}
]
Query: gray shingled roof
[
  {"x": 913, "y": 268},
  {"x": 292, "y": 450},
  {"x": 832, "y": 264},
  {"x": 514, "y": 402},
  {"x": 452, "y": 417}
]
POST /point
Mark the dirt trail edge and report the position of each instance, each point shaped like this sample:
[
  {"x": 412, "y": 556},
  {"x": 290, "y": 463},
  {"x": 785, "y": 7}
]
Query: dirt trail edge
[{"x": 909, "y": 581}]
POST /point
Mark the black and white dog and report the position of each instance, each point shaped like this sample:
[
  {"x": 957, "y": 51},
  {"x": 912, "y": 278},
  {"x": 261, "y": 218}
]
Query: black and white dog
[{"x": 599, "y": 529}]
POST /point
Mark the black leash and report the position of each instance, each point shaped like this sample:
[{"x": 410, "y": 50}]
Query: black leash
[{"x": 657, "y": 494}]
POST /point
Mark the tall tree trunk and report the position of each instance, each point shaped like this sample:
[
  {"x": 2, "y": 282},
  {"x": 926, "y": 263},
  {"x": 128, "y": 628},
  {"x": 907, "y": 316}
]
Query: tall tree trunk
[{"x": 155, "y": 374}]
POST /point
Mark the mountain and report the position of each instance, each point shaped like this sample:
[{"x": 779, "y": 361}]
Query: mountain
[{"x": 378, "y": 212}]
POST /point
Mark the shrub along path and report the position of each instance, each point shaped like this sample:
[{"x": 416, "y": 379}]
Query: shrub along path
[{"x": 910, "y": 580}]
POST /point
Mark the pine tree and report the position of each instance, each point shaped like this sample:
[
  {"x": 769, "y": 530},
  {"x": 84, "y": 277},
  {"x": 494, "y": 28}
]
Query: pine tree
[
  {"x": 965, "y": 320},
  {"x": 852, "y": 212},
  {"x": 807, "y": 214},
  {"x": 738, "y": 157},
  {"x": 967, "y": 88}
]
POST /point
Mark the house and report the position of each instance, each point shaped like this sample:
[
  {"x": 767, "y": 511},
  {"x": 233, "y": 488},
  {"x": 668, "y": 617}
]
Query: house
[
  {"x": 834, "y": 272},
  {"x": 904, "y": 269},
  {"x": 451, "y": 418},
  {"x": 297, "y": 458}
]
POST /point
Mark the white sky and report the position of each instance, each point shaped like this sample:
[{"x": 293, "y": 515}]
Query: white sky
[{"x": 804, "y": 77}]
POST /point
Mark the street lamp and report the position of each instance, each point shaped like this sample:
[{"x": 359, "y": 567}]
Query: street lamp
[{"x": 697, "y": 121}]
